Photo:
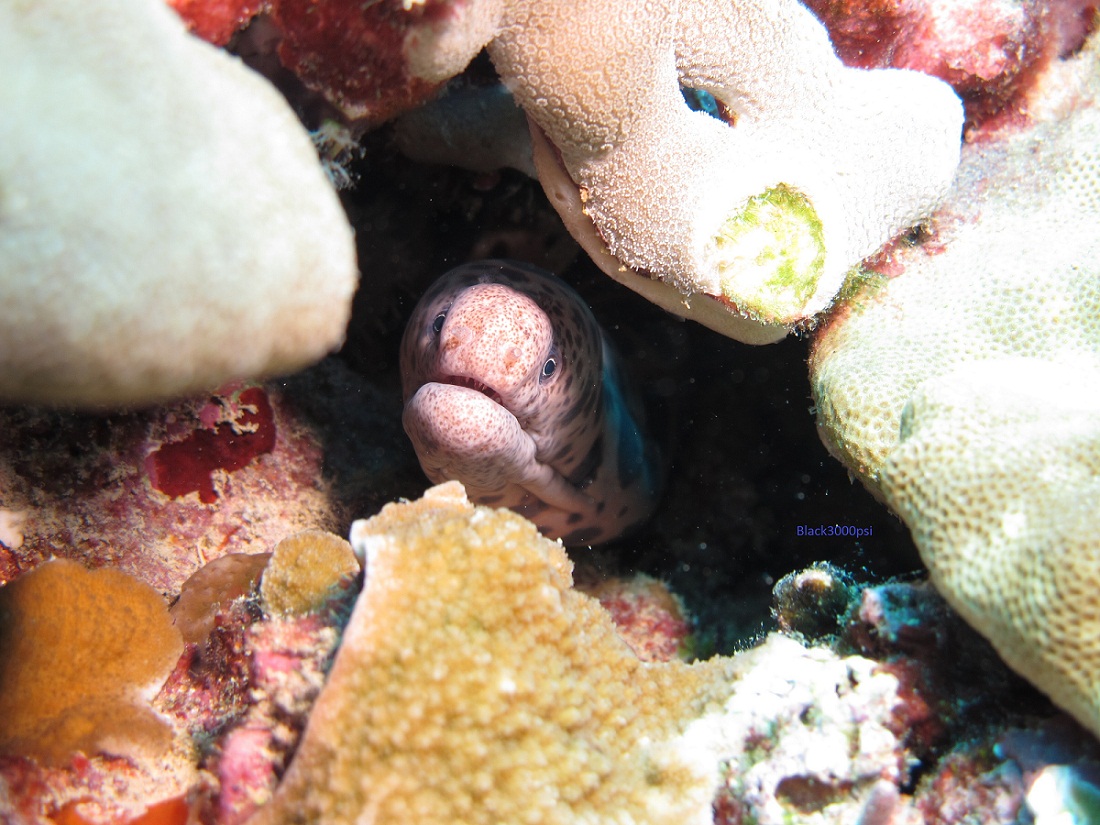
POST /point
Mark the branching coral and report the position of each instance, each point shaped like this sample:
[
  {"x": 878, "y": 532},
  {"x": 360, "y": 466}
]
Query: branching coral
[
  {"x": 963, "y": 389},
  {"x": 164, "y": 223}
]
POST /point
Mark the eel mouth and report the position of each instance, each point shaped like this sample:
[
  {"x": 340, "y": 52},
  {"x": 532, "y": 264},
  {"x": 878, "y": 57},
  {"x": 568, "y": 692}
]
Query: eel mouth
[{"x": 472, "y": 384}]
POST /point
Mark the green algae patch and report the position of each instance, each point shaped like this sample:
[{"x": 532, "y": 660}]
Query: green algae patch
[{"x": 771, "y": 255}]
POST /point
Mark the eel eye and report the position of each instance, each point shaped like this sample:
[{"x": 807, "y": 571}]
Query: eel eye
[
  {"x": 550, "y": 367},
  {"x": 437, "y": 324}
]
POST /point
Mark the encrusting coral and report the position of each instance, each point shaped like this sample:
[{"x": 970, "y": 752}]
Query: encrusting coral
[
  {"x": 119, "y": 645},
  {"x": 164, "y": 223},
  {"x": 303, "y": 570},
  {"x": 474, "y": 685},
  {"x": 962, "y": 385}
]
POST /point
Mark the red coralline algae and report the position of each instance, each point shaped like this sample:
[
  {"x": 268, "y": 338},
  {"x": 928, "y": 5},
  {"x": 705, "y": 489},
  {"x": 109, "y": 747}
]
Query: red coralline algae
[
  {"x": 245, "y": 430},
  {"x": 217, "y": 20},
  {"x": 173, "y": 811},
  {"x": 647, "y": 615},
  {"x": 990, "y": 52},
  {"x": 354, "y": 52}
]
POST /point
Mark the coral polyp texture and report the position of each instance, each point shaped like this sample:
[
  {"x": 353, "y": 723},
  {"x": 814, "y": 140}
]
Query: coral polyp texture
[
  {"x": 164, "y": 223},
  {"x": 81, "y": 654},
  {"x": 816, "y": 167},
  {"x": 963, "y": 387},
  {"x": 474, "y": 685}
]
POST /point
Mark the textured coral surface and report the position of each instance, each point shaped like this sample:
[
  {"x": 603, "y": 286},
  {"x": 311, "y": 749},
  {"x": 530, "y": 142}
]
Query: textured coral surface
[
  {"x": 470, "y": 670},
  {"x": 962, "y": 386},
  {"x": 879, "y": 706}
]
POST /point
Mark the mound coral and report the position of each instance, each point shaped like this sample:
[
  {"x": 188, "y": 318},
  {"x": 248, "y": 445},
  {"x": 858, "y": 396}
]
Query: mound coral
[
  {"x": 474, "y": 685},
  {"x": 963, "y": 389},
  {"x": 303, "y": 570},
  {"x": 119, "y": 647},
  {"x": 164, "y": 223}
]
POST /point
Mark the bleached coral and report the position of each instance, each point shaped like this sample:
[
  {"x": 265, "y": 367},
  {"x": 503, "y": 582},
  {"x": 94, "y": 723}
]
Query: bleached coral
[{"x": 164, "y": 223}]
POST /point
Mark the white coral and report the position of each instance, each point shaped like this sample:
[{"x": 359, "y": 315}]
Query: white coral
[
  {"x": 822, "y": 166},
  {"x": 164, "y": 223}
]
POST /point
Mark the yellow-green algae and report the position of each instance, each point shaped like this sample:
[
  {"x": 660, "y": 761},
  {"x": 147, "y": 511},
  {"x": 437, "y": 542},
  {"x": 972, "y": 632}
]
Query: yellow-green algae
[{"x": 771, "y": 254}]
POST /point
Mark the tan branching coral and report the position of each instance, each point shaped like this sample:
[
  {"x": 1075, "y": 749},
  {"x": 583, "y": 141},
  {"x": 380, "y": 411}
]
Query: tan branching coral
[
  {"x": 963, "y": 387},
  {"x": 81, "y": 654},
  {"x": 164, "y": 223},
  {"x": 474, "y": 685}
]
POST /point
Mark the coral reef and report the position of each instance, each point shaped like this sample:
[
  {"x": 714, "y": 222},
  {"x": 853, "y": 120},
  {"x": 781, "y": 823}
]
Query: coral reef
[
  {"x": 120, "y": 647},
  {"x": 304, "y": 570},
  {"x": 473, "y": 684},
  {"x": 842, "y": 160},
  {"x": 962, "y": 387},
  {"x": 159, "y": 492},
  {"x": 147, "y": 248}
]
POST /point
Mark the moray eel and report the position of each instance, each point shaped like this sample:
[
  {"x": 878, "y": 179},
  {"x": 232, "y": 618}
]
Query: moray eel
[{"x": 511, "y": 387}]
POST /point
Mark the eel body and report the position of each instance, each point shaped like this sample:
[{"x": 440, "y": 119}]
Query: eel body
[{"x": 511, "y": 388}]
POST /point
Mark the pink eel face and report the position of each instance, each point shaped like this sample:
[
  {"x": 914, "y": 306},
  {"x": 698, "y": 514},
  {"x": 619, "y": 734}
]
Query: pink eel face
[{"x": 503, "y": 373}]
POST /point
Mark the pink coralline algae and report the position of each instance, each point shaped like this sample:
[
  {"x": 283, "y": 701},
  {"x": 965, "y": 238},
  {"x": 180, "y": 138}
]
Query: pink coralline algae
[
  {"x": 351, "y": 51},
  {"x": 990, "y": 52},
  {"x": 647, "y": 615},
  {"x": 244, "y": 429},
  {"x": 160, "y": 491},
  {"x": 217, "y": 20}
]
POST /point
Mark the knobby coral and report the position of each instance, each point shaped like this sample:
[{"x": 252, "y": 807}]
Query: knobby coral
[
  {"x": 474, "y": 685},
  {"x": 164, "y": 223},
  {"x": 963, "y": 389}
]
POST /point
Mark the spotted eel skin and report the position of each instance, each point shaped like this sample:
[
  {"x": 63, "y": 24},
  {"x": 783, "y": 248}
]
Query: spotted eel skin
[{"x": 511, "y": 388}]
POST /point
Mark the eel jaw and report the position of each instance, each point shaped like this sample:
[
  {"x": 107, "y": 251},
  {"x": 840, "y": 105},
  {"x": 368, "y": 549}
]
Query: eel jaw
[
  {"x": 473, "y": 384},
  {"x": 460, "y": 432}
]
